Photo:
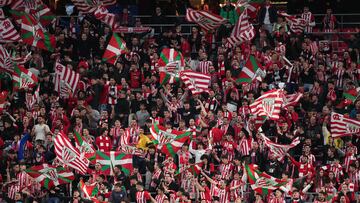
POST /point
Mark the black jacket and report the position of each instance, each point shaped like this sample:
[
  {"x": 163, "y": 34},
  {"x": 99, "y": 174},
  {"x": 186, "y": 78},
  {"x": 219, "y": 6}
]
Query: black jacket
[{"x": 272, "y": 14}]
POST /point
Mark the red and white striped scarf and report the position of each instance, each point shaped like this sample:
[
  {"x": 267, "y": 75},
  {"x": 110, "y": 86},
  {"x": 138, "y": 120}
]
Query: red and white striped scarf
[
  {"x": 221, "y": 68},
  {"x": 340, "y": 77}
]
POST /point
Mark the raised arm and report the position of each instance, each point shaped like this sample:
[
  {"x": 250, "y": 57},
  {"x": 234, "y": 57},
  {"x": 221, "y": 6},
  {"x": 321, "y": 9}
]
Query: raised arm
[{"x": 208, "y": 178}]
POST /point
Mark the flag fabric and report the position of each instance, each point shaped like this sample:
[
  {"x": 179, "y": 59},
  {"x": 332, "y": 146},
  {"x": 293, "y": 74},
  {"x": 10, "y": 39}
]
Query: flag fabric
[
  {"x": 292, "y": 99},
  {"x": 242, "y": 31},
  {"x": 114, "y": 49},
  {"x": 102, "y": 14},
  {"x": 69, "y": 155},
  {"x": 22, "y": 146},
  {"x": 6, "y": 63},
  {"x": 172, "y": 58},
  {"x": 341, "y": 126},
  {"x": 195, "y": 169},
  {"x": 169, "y": 141},
  {"x": 109, "y": 160},
  {"x": 195, "y": 81},
  {"x": 49, "y": 176},
  {"x": 35, "y": 98},
  {"x": 251, "y": 71},
  {"x": 251, "y": 7},
  {"x": 261, "y": 182},
  {"x": 2, "y": 15},
  {"x": 43, "y": 14},
  {"x": 23, "y": 78},
  {"x": 170, "y": 63},
  {"x": 269, "y": 104},
  {"x": 8, "y": 33},
  {"x": 35, "y": 35},
  {"x": 84, "y": 6},
  {"x": 297, "y": 25},
  {"x": 64, "y": 76},
  {"x": 3, "y": 96},
  {"x": 90, "y": 190},
  {"x": 132, "y": 29},
  {"x": 21, "y": 60},
  {"x": 84, "y": 147},
  {"x": 351, "y": 95},
  {"x": 207, "y": 21},
  {"x": 279, "y": 150}
]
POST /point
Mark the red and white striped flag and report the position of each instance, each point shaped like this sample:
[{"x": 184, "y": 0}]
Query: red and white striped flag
[
  {"x": 102, "y": 14},
  {"x": 297, "y": 25},
  {"x": 279, "y": 150},
  {"x": 269, "y": 104},
  {"x": 292, "y": 99},
  {"x": 35, "y": 98},
  {"x": 5, "y": 61},
  {"x": 207, "y": 21},
  {"x": 8, "y": 33},
  {"x": 69, "y": 155},
  {"x": 341, "y": 126},
  {"x": 314, "y": 48},
  {"x": 85, "y": 6},
  {"x": 64, "y": 73},
  {"x": 196, "y": 82},
  {"x": 243, "y": 31}
]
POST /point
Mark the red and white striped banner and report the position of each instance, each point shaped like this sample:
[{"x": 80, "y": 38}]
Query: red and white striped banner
[
  {"x": 269, "y": 104},
  {"x": 207, "y": 21},
  {"x": 243, "y": 31},
  {"x": 292, "y": 99},
  {"x": 8, "y": 33},
  {"x": 297, "y": 25},
  {"x": 196, "y": 82},
  {"x": 69, "y": 155},
  {"x": 341, "y": 126},
  {"x": 279, "y": 150},
  {"x": 67, "y": 75}
]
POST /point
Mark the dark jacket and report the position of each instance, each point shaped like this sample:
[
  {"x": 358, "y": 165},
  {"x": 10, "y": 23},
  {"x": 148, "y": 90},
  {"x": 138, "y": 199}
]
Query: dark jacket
[{"x": 272, "y": 14}]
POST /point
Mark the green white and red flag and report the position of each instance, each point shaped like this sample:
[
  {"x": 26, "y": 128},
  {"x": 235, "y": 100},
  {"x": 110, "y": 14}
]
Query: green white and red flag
[
  {"x": 85, "y": 147},
  {"x": 114, "y": 49},
  {"x": 251, "y": 71},
  {"x": 23, "y": 78},
  {"x": 168, "y": 141},
  {"x": 170, "y": 63},
  {"x": 34, "y": 34},
  {"x": 49, "y": 176},
  {"x": 69, "y": 155},
  {"x": 262, "y": 182},
  {"x": 109, "y": 160},
  {"x": 351, "y": 95},
  {"x": 89, "y": 190}
]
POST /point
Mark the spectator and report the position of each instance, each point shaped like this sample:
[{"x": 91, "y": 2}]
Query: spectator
[{"x": 228, "y": 12}]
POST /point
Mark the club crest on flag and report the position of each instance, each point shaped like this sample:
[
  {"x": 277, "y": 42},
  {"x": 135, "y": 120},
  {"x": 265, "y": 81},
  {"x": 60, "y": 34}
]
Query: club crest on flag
[
  {"x": 50, "y": 173},
  {"x": 268, "y": 104},
  {"x": 86, "y": 148},
  {"x": 261, "y": 182},
  {"x": 350, "y": 128},
  {"x": 166, "y": 137},
  {"x": 25, "y": 79},
  {"x": 68, "y": 155}
]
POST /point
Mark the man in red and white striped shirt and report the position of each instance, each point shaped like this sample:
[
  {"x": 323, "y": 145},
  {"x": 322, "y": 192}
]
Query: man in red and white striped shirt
[
  {"x": 309, "y": 19},
  {"x": 160, "y": 197},
  {"x": 142, "y": 196},
  {"x": 204, "y": 64},
  {"x": 103, "y": 142}
]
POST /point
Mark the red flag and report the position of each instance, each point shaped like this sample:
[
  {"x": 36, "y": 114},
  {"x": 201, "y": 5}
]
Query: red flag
[
  {"x": 195, "y": 81},
  {"x": 207, "y": 21},
  {"x": 69, "y": 155},
  {"x": 269, "y": 104},
  {"x": 341, "y": 126},
  {"x": 65, "y": 78}
]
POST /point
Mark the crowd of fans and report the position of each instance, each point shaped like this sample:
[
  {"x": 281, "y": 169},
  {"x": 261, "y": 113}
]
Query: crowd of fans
[{"x": 224, "y": 136}]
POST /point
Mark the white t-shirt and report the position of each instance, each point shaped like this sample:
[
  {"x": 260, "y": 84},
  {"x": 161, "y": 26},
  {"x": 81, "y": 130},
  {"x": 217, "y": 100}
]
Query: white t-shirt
[
  {"x": 40, "y": 131},
  {"x": 267, "y": 17}
]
